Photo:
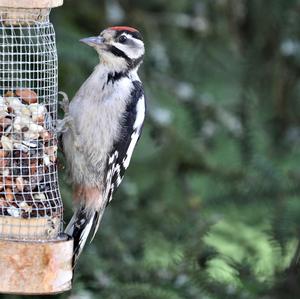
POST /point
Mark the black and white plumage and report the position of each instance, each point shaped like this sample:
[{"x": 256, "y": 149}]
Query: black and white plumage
[
  {"x": 107, "y": 115},
  {"x": 123, "y": 147}
]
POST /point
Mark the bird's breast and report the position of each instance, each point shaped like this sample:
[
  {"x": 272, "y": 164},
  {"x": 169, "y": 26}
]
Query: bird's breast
[{"x": 98, "y": 114}]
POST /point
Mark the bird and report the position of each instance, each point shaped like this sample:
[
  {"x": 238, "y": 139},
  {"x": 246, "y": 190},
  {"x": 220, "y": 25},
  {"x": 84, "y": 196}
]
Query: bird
[{"x": 105, "y": 119}]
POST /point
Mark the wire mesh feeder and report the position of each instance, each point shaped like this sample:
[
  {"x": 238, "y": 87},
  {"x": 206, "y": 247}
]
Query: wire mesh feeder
[
  {"x": 34, "y": 257},
  {"x": 30, "y": 203}
]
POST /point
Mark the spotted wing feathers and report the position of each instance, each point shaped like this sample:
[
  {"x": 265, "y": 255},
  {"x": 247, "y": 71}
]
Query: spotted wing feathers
[{"x": 121, "y": 154}]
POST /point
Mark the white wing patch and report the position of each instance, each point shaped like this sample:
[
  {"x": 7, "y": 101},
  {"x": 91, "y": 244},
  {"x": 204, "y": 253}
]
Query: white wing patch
[
  {"x": 114, "y": 168},
  {"x": 140, "y": 112}
]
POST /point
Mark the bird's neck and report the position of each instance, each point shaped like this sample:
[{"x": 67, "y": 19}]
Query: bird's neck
[
  {"x": 110, "y": 75},
  {"x": 103, "y": 82}
]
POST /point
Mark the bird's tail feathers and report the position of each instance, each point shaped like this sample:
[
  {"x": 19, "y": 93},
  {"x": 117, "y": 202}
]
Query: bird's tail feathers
[
  {"x": 79, "y": 228},
  {"x": 96, "y": 222}
]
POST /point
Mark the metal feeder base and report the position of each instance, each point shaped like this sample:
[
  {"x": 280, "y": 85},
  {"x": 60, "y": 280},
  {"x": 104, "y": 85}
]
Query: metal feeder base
[{"x": 34, "y": 268}]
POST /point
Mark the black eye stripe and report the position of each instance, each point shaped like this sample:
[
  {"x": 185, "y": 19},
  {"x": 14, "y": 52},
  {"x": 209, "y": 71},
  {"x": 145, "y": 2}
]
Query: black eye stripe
[
  {"x": 134, "y": 34},
  {"x": 117, "y": 52},
  {"x": 132, "y": 63}
]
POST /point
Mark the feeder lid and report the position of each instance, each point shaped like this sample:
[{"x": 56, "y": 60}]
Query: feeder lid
[{"x": 30, "y": 3}]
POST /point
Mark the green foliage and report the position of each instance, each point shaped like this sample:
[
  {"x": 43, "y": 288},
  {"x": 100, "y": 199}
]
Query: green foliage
[{"x": 209, "y": 207}]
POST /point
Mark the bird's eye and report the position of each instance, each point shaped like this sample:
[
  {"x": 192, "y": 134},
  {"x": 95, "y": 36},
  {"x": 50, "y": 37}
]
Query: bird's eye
[{"x": 122, "y": 39}]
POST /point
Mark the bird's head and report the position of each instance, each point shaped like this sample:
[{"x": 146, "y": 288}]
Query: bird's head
[{"x": 120, "y": 48}]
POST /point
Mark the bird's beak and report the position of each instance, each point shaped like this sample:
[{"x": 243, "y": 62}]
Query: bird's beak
[{"x": 93, "y": 41}]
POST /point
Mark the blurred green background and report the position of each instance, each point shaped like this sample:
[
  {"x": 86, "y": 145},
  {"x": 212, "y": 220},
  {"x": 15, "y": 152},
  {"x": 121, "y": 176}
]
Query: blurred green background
[{"x": 209, "y": 208}]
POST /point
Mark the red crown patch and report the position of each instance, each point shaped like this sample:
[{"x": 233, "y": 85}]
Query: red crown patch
[{"x": 123, "y": 28}]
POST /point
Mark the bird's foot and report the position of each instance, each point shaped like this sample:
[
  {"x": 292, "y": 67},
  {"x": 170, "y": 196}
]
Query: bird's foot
[
  {"x": 68, "y": 124},
  {"x": 64, "y": 103},
  {"x": 65, "y": 124}
]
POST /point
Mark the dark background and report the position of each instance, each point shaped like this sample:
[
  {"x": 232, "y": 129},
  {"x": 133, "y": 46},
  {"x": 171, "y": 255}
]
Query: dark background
[{"x": 209, "y": 208}]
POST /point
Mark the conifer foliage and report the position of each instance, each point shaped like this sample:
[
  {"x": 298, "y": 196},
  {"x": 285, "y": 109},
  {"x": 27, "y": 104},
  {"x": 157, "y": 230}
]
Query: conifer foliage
[{"x": 210, "y": 206}]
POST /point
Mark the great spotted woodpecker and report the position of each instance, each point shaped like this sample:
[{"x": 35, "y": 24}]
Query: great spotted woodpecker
[{"x": 107, "y": 115}]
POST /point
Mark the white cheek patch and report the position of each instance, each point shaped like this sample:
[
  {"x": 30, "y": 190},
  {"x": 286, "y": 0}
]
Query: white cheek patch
[{"x": 134, "y": 49}]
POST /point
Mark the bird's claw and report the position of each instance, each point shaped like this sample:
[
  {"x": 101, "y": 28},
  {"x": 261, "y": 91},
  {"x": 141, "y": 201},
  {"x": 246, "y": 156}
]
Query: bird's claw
[
  {"x": 64, "y": 103},
  {"x": 67, "y": 124},
  {"x": 63, "y": 125}
]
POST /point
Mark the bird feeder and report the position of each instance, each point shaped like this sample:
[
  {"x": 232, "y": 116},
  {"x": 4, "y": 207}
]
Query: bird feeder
[{"x": 35, "y": 257}]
